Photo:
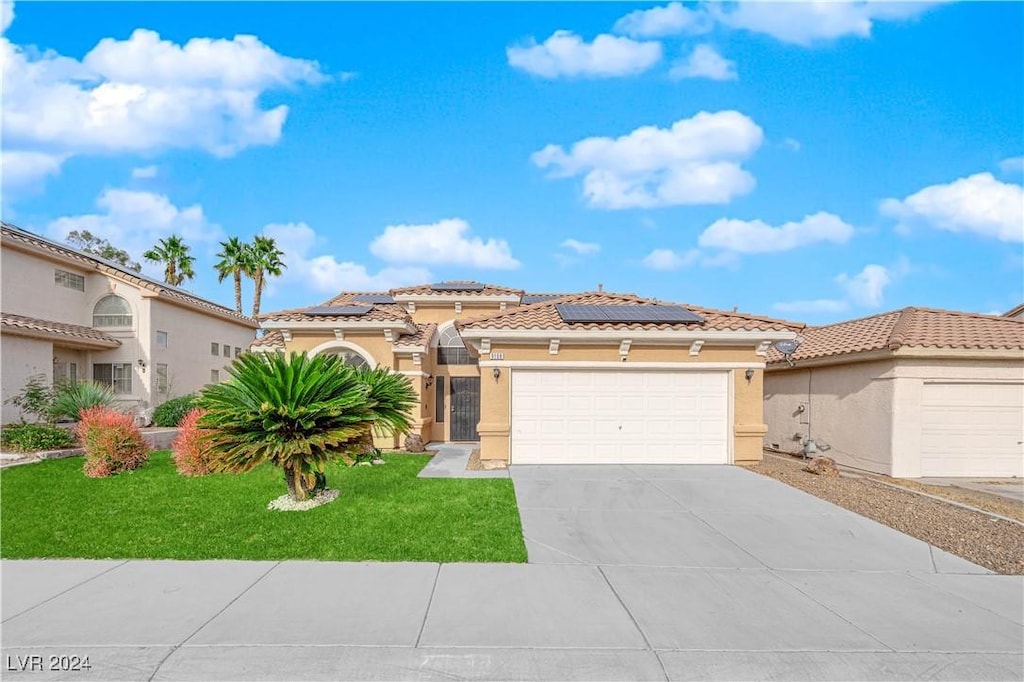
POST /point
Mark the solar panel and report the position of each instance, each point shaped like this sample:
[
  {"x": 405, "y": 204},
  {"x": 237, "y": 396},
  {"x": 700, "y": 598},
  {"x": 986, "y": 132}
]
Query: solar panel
[
  {"x": 626, "y": 313},
  {"x": 340, "y": 310},
  {"x": 539, "y": 298},
  {"x": 374, "y": 298},
  {"x": 457, "y": 286}
]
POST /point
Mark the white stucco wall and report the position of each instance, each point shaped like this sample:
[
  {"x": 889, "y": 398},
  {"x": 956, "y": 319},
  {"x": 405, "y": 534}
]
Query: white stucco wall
[
  {"x": 849, "y": 407},
  {"x": 21, "y": 358},
  {"x": 188, "y": 356}
]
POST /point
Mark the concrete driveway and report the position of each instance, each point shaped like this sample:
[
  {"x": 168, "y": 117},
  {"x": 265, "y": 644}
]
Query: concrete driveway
[{"x": 650, "y": 573}]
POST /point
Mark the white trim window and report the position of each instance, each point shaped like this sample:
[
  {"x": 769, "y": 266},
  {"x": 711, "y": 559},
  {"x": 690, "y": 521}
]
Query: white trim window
[
  {"x": 69, "y": 280},
  {"x": 112, "y": 311},
  {"x": 117, "y": 375},
  {"x": 161, "y": 339},
  {"x": 451, "y": 350},
  {"x": 160, "y": 380}
]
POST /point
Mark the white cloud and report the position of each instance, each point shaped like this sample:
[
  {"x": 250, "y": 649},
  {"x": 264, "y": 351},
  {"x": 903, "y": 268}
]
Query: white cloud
[
  {"x": 757, "y": 236},
  {"x": 6, "y": 14},
  {"x": 566, "y": 54},
  {"x": 791, "y": 144},
  {"x": 667, "y": 259},
  {"x": 978, "y": 204},
  {"x": 818, "y": 305},
  {"x": 135, "y": 221},
  {"x": 867, "y": 287},
  {"x": 325, "y": 274},
  {"x": 695, "y": 161},
  {"x": 145, "y": 94},
  {"x": 445, "y": 242},
  {"x": 704, "y": 62},
  {"x": 807, "y": 23},
  {"x": 670, "y": 19},
  {"x": 1014, "y": 164},
  {"x": 581, "y": 248},
  {"x": 145, "y": 172},
  {"x": 23, "y": 168}
]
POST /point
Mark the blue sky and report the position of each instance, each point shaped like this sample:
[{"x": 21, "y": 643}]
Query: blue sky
[{"x": 814, "y": 162}]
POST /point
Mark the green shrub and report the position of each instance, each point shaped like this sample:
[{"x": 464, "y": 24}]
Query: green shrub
[
  {"x": 171, "y": 413},
  {"x": 35, "y": 437},
  {"x": 34, "y": 399},
  {"x": 71, "y": 398}
]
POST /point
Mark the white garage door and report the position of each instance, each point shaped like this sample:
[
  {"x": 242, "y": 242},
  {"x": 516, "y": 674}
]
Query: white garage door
[
  {"x": 972, "y": 429},
  {"x": 603, "y": 417}
]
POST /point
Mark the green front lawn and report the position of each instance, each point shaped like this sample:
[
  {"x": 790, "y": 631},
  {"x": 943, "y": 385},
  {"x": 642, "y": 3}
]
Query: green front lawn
[{"x": 385, "y": 513}]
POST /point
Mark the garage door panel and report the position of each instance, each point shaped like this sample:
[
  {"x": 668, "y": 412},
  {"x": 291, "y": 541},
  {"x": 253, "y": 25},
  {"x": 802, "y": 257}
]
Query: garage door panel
[
  {"x": 972, "y": 429},
  {"x": 619, "y": 416}
]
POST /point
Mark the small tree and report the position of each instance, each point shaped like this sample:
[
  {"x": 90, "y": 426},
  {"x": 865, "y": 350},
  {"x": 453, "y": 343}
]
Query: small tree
[
  {"x": 298, "y": 413},
  {"x": 34, "y": 399},
  {"x": 89, "y": 243}
]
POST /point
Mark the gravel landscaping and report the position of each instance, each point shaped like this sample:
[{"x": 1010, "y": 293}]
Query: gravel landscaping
[{"x": 993, "y": 543}]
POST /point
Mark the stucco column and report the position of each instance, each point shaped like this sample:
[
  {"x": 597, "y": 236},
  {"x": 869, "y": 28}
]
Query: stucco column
[
  {"x": 494, "y": 413},
  {"x": 749, "y": 428}
]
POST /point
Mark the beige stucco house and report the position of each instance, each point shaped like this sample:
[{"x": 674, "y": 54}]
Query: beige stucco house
[
  {"x": 908, "y": 393},
  {"x": 70, "y": 315},
  {"x": 555, "y": 378}
]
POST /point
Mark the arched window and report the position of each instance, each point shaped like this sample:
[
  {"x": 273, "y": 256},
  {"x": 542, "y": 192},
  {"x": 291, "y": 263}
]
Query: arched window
[
  {"x": 349, "y": 356},
  {"x": 450, "y": 348},
  {"x": 112, "y": 311}
]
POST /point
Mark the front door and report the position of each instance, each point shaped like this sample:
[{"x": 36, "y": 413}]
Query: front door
[{"x": 465, "y": 407}]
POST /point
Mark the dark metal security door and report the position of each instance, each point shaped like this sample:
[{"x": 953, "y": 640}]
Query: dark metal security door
[{"x": 465, "y": 402}]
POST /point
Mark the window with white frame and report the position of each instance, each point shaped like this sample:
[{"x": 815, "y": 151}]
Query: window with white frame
[
  {"x": 117, "y": 375},
  {"x": 160, "y": 381},
  {"x": 227, "y": 351},
  {"x": 214, "y": 348},
  {"x": 112, "y": 311},
  {"x": 238, "y": 351},
  {"x": 69, "y": 280},
  {"x": 214, "y": 376},
  {"x": 161, "y": 339},
  {"x": 451, "y": 350}
]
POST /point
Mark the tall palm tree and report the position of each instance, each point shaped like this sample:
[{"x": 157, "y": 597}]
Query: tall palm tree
[
  {"x": 266, "y": 260},
  {"x": 173, "y": 252},
  {"x": 235, "y": 259}
]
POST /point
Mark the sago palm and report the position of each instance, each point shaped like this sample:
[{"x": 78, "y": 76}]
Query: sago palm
[
  {"x": 391, "y": 398},
  {"x": 295, "y": 412},
  {"x": 173, "y": 252},
  {"x": 235, "y": 260}
]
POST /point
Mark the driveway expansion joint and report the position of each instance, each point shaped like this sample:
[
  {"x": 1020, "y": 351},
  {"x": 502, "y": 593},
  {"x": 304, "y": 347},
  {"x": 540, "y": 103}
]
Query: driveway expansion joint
[
  {"x": 426, "y": 611},
  {"x": 59, "y": 594}
]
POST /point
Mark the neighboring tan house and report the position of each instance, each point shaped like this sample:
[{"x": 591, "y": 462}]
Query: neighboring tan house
[
  {"x": 72, "y": 316},
  {"x": 1016, "y": 313},
  {"x": 554, "y": 378},
  {"x": 909, "y": 393}
]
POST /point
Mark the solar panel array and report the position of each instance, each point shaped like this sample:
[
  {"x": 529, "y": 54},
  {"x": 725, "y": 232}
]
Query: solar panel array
[
  {"x": 340, "y": 310},
  {"x": 374, "y": 298},
  {"x": 539, "y": 298},
  {"x": 626, "y": 313},
  {"x": 457, "y": 286}
]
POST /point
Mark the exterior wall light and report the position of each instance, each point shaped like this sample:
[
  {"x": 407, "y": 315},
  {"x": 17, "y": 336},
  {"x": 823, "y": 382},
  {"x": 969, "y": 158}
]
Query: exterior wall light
[
  {"x": 749, "y": 374},
  {"x": 496, "y": 373}
]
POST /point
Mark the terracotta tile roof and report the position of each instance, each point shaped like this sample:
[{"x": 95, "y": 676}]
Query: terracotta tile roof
[
  {"x": 271, "y": 340},
  {"x": 424, "y": 332},
  {"x": 909, "y": 327},
  {"x": 91, "y": 262},
  {"x": 348, "y": 297},
  {"x": 530, "y": 298},
  {"x": 545, "y": 316},
  {"x": 19, "y": 325},
  {"x": 488, "y": 289},
  {"x": 380, "y": 312}
]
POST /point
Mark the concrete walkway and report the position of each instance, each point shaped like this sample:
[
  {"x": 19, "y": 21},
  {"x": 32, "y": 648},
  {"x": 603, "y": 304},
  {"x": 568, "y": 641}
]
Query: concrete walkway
[
  {"x": 1010, "y": 488},
  {"x": 652, "y": 573},
  {"x": 449, "y": 461}
]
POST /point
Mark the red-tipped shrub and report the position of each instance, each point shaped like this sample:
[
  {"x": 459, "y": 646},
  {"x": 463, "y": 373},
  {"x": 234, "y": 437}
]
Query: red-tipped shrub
[
  {"x": 191, "y": 450},
  {"x": 112, "y": 442}
]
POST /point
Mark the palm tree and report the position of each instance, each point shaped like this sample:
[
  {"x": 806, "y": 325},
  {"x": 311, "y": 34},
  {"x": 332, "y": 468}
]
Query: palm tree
[
  {"x": 299, "y": 412},
  {"x": 235, "y": 260},
  {"x": 174, "y": 253},
  {"x": 265, "y": 260}
]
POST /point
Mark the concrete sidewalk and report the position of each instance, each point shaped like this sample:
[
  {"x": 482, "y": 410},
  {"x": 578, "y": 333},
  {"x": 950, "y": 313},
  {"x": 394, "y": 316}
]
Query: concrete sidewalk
[{"x": 221, "y": 620}]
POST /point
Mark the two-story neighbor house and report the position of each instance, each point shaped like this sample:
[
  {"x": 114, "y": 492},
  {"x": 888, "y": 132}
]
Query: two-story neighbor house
[
  {"x": 555, "y": 378},
  {"x": 70, "y": 315}
]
